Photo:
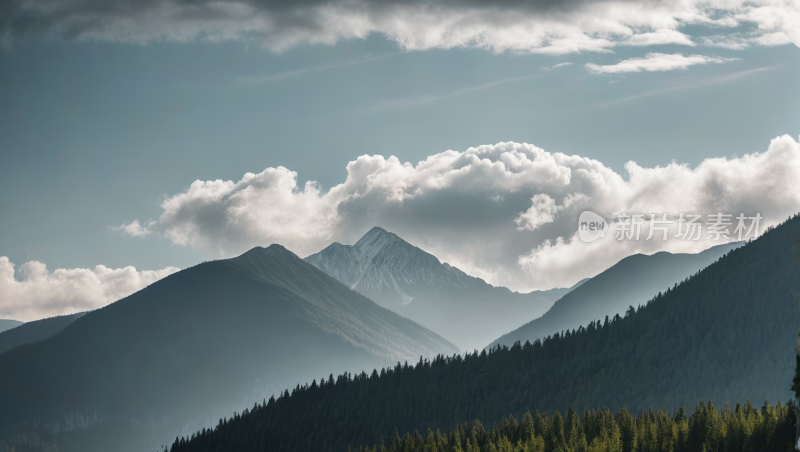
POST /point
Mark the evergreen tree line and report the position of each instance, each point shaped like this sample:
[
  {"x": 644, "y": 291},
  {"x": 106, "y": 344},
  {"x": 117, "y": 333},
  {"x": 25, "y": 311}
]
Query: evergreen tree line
[
  {"x": 726, "y": 333},
  {"x": 742, "y": 429}
]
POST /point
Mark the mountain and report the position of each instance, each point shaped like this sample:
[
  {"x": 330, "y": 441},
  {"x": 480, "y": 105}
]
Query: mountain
[
  {"x": 6, "y": 324},
  {"x": 726, "y": 334},
  {"x": 35, "y": 331},
  {"x": 414, "y": 284},
  {"x": 629, "y": 282},
  {"x": 178, "y": 354}
]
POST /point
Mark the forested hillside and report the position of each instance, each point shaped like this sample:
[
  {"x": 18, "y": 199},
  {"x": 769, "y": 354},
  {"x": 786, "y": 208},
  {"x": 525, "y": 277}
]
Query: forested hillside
[
  {"x": 725, "y": 334},
  {"x": 742, "y": 428},
  {"x": 626, "y": 283}
]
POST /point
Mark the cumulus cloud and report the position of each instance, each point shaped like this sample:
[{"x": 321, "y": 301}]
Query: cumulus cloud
[
  {"x": 547, "y": 27},
  {"x": 505, "y": 212},
  {"x": 41, "y": 293},
  {"x": 134, "y": 229},
  {"x": 655, "y": 62},
  {"x": 544, "y": 209}
]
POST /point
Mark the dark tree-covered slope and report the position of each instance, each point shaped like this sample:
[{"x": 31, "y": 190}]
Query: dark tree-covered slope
[
  {"x": 27, "y": 333},
  {"x": 725, "y": 334},
  {"x": 629, "y": 282},
  {"x": 399, "y": 276},
  {"x": 196, "y": 344}
]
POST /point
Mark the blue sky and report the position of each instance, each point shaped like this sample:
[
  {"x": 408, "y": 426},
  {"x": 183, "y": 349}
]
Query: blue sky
[{"x": 97, "y": 130}]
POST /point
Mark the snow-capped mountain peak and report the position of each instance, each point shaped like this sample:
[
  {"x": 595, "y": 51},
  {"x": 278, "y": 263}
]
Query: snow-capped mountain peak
[
  {"x": 374, "y": 241},
  {"x": 384, "y": 266},
  {"x": 401, "y": 277}
]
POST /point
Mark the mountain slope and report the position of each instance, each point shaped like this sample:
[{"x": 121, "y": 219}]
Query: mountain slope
[
  {"x": 413, "y": 283},
  {"x": 196, "y": 344},
  {"x": 6, "y": 324},
  {"x": 628, "y": 283},
  {"x": 35, "y": 331},
  {"x": 728, "y": 333}
]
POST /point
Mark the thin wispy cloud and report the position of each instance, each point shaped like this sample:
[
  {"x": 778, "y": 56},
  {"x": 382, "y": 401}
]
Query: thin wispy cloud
[
  {"x": 557, "y": 66},
  {"x": 655, "y": 62},
  {"x": 266, "y": 78},
  {"x": 740, "y": 41},
  {"x": 680, "y": 87},
  {"x": 421, "y": 101}
]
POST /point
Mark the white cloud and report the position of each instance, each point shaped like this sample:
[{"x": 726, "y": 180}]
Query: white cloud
[
  {"x": 40, "y": 293},
  {"x": 734, "y": 41},
  {"x": 554, "y": 28},
  {"x": 557, "y": 66},
  {"x": 653, "y": 62},
  {"x": 543, "y": 210},
  {"x": 134, "y": 229},
  {"x": 738, "y": 41},
  {"x": 659, "y": 37},
  {"x": 504, "y": 212}
]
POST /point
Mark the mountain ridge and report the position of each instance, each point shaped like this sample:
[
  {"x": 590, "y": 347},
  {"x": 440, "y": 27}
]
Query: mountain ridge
[
  {"x": 34, "y": 331},
  {"x": 627, "y": 283},
  {"x": 196, "y": 344},
  {"x": 415, "y": 284},
  {"x": 7, "y": 324},
  {"x": 726, "y": 333}
]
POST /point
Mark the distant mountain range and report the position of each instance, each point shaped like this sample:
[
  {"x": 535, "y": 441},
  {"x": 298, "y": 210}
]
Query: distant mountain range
[
  {"x": 6, "y": 324},
  {"x": 630, "y": 282},
  {"x": 27, "y": 333},
  {"x": 415, "y": 284},
  {"x": 726, "y": 334},
  {"x": 191, "y": 347}
]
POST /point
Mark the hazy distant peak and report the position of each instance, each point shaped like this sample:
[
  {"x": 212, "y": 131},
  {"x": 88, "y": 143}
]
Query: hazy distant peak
[
  {"x": 275, "y": 250},
  {"x": 7, "y": 324}
]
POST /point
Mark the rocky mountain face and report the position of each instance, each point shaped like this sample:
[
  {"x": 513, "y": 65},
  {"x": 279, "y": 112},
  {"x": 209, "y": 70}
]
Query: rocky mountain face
[{"x": 401, "y": 277}]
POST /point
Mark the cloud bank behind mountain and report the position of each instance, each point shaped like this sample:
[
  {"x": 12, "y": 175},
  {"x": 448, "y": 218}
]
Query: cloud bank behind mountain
[
  {"x": 505, "y": 212},
  {"x": 40, "y": 293}
]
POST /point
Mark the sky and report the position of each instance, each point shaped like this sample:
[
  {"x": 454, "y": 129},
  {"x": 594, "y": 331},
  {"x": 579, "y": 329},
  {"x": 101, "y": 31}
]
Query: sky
[{"x": 139, "y": 138}]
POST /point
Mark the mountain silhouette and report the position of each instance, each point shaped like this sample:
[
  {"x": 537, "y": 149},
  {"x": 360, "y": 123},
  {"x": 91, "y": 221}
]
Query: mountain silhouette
[
  {"x": 35, "y": 331},
  {"x": 629, "y": 282},
  {"x": 194, "y": 345},
  {"x": 725, "y": 334},
  {"x": 7, "y": 324}
]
